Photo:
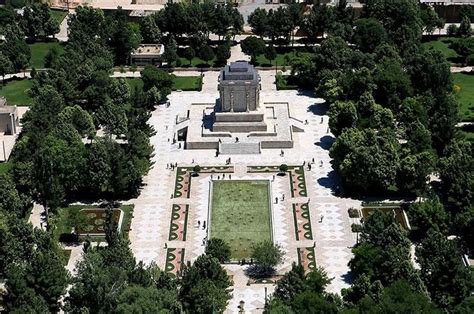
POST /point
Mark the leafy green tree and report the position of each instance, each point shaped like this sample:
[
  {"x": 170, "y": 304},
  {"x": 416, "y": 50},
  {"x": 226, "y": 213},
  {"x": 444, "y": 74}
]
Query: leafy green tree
[
  {"x": 204, "y": 286},
  {"x": 253, "y": 46},
  {"x": 153, "y": 97},
  {"x": 400, "y": 297},
  {"x": 430, "y": 18},
  {"x": 342, "y": 115},
  {"x": 137, "y": 299},
  {"x": 171, "y": 52},
  {"x": 189, "y": 54},
  {"x": 219, "y": 249},
  {"x": 456, "y": 173},
  {"x": 15, "y": 48},
  {"x": 414, "y": 171},
  {"x": 112, "y": 118},
  {"x": 124, "y": 38},
  {"x": 258, "y": 21},
  {"x": 270, "y": 53},
  {"x": 206, "y": 53},
  {"x": 9, "y": 198},
  {"x": 292, "y": 283},
  {"x": 393, "y": 83},
  {"x": 317, "y": 22},
  {"x": 5, "y": 66},
  {"x": 366, "y": 160},
  {"x": 222, "y": 53},
  {"x": 153, "y": 76},
  {"x": 427, "y": 215},
  {"x": 267, "y": 255},
  {"x": 464, "y": 29},
  {"x": 149, "y": 30},
  {"x": 448, "y": 281},
  {"x": 369, "y": 34}
]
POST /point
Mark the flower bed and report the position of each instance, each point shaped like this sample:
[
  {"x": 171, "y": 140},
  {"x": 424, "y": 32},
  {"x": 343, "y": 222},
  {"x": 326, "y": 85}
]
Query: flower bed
[
  {"x": 302, "y": 220},
  {"x": 174, "y": 260},
  {"x": 179, "y": 222},
  {"x": 307, "y": 258}
]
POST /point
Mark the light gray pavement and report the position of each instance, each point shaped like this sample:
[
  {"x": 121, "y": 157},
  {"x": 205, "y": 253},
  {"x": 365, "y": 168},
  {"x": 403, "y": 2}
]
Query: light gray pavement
[{"x": 333, "y": 236}]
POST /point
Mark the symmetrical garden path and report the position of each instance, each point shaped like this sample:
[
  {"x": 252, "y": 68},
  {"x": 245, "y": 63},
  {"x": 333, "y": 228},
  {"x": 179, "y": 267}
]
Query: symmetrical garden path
[{"x": 152, "y": 213}]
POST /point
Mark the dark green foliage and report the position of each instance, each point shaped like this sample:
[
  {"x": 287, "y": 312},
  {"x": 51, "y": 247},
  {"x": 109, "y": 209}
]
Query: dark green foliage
[
  {"x": 369, "y": 34},
  {"x": 204, "y": 286},
  {"x": 219, "y": 249},
  {"x": 206, "y": 53},
  {"x": 456, "y": 173},
  {"x": 427, "y": 215},
  {"x": 154, "y": 77},
  {"x": 253, "y": 46},
  {"x": 267, "y": 256},
  {"x": 447, "y": 279},
  {"x": 303, "y": 293}
]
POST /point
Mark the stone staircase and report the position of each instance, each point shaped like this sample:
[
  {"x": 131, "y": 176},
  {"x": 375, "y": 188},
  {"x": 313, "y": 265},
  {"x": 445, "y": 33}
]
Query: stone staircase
[{"x": 239, "y": 148}]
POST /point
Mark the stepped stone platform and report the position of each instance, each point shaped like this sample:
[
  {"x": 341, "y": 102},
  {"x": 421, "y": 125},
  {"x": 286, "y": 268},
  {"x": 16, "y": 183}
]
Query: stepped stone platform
[{"x": 274, "y": 131}]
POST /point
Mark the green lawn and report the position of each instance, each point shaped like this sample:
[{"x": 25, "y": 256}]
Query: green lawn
[
  {"x": 443, "y": 46},
  {"x": 64, "y": 220},
  {"x": 186, "y": 83},
  {"x": 39, "y": 52},
  {"x": 16, "y": 92},
  {"x": 240, "y": 214},
  {"x": 190, "y": 83},
  {"x": 465, "y": 95},
  {"x": 58, "y": 15}
]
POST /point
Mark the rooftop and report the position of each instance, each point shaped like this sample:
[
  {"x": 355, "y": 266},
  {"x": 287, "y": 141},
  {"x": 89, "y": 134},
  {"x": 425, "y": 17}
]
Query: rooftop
[
  {"x": 239, "y": 71},
  {"x": 153, "y": 49}
]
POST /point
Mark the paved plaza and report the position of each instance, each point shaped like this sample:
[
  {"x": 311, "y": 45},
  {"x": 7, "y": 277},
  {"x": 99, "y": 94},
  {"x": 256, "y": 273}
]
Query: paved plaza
[{"x": 332, "y": 238}]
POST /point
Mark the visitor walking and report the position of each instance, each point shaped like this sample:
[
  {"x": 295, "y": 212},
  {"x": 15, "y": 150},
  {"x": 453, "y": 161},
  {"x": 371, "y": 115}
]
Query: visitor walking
[
  {"x": 204, "y": 225},
  {"x": 199, "y": 223}
]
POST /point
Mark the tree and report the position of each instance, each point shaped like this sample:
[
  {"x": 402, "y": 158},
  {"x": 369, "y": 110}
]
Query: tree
[
  {"x": 204, "y": 286},
  {"x": 367, "y": 160},
  {"x": 222, "y": 53},
  {"x": 414, "y": 171},
  {"x": 317, "y": 21},
  {"x": 171, "y": 52},
  {"x": 267, "y": 255},
  {"x": 52, "y": 57},
  {"x": 153, "y": 76},
  {"x": 253, "y": 46},
  {"x": 206, "y": 53},
  {"x": 447, "y": 279},
  {"x": 369, "y": 34},
  {"x": 189, "y": 54},
  {"x": 149, "y": 30},
  {"x": 430, "y": 18},
  {"x": 270, "y": 53},
  {"x": 457, "y": 173},
  {"x": 342, "y": 115},
  {"x": 125, "y": 37},
  {"x": 15, "y": 48},
  {"x": 427, "y": 215},
  {"x": 138, "y": 299},
  {"x": 258, "y": 21},
  {"x": 464, "y": 29},
  {"x": 219, "y": 249},
  {"x": 400, "y": 297},
  {"x": 5, "y": 66}
]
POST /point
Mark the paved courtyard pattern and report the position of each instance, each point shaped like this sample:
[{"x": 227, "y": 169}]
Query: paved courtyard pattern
[{"x": 330, "y": 223}]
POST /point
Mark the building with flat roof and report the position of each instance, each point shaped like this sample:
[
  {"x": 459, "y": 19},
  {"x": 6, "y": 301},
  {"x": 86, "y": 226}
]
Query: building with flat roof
[
  {"x": 147, "y": 54},
  {"x": 9, "y": 128}
]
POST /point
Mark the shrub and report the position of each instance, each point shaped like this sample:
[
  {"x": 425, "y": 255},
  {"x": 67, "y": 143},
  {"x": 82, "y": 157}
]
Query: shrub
[
  {"x": 197, "y": 168},
  {"x": 283, "y": 168},
  {"x": 353, "y": 212},
  {"x": 452, "y": 30},
  {"x": 219, "y": 249},
  {"x": 356, "y": 228}
]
